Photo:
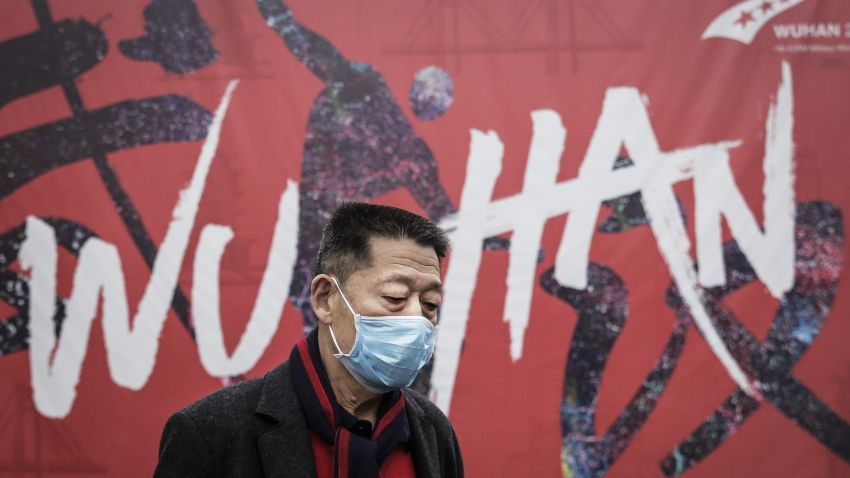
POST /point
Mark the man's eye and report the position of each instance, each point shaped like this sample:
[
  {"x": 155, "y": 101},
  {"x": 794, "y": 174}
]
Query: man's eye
[
  {"x": 431, "y": 307},
  {"x": 393, "y": 300}
]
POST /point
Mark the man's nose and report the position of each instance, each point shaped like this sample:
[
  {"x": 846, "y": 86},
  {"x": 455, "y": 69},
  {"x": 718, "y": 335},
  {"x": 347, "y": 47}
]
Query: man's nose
[{"x": 413, "y": 307}]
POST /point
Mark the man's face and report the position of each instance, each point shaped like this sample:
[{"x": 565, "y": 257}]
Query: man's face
[{"x": 404, "y": 279}]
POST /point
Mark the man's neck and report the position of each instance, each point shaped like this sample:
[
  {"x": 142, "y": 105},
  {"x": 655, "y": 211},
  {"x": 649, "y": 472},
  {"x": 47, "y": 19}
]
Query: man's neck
[{"x": 350, "y": 395}]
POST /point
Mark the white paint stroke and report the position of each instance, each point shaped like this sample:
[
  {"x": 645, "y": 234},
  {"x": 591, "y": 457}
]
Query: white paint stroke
[
  {"x": 131, "y": 350},
  {"x": 484, "y": 164},
  {"x": 268, "y": 306},
  {"x": 547, "y": 144},
  {"x": 665, "y": 220},
  {"x": 771, "y": 253}
]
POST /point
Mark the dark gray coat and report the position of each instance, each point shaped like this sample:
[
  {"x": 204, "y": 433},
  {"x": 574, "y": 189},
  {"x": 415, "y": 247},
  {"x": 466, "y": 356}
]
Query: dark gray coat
[{"x": 256, "y": 429}]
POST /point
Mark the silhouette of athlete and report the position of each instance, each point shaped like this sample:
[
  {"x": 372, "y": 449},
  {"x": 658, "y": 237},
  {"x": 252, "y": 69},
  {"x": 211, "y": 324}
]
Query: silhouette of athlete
[{"x": 358, "y": 146}]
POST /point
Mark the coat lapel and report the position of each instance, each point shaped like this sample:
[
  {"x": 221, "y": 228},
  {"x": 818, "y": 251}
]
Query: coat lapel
[
  {"x": 425, "y": 461},
  {"x": 284, "y": 447}
]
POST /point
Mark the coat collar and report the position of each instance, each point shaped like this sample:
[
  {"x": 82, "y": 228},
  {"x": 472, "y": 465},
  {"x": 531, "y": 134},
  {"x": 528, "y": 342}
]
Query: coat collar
[
  {"x": 422, "y": 434},
  {"x": 284, "y": 447}
]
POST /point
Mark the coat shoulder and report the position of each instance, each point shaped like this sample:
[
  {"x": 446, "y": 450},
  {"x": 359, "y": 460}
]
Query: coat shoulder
[
  {"x": 235, "y": 407},
  {"x": 222, "y": 433},
  {"x": 221, "y": 405}
]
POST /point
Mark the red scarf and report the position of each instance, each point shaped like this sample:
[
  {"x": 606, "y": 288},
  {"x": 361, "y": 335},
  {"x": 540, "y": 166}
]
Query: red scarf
[{"x": 355, "y": 455}]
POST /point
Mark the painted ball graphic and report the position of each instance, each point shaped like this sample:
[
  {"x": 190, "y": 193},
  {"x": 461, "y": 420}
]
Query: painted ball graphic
[{"x": 431, "y": 93}]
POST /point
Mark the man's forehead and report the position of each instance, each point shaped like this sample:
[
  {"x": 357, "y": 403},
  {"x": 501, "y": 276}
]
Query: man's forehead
[
  {"x": 405, "y": 261},
  {"x": 403, "y": 252}
]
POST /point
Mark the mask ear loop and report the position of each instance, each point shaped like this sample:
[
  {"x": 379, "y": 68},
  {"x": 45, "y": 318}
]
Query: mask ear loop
[
  {"x": 343, "y": 296},
  {"x": 333, "y": 337}
]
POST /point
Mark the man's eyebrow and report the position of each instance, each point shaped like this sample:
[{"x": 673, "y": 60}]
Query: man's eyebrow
[{"x": 408, "y": 281}]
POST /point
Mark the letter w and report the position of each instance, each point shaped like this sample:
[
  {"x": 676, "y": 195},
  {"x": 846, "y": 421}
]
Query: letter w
[{"x": 132, "y": 351}]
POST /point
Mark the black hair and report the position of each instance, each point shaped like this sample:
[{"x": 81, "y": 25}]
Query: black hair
[{"x": 345, "y": 240}]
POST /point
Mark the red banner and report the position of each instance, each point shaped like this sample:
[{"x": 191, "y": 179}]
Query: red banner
[{"x": 645, "y": 200}]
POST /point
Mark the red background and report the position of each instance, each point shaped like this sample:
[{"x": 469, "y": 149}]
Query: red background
[{"x": 506, "y": 414}]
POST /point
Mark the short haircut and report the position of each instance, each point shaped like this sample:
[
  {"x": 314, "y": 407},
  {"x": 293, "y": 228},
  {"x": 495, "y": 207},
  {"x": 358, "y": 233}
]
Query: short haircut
[{"x": 345, "y": 240}]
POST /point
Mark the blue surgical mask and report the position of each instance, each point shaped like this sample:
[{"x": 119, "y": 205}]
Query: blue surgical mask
[{"x": 388, "y": 351}]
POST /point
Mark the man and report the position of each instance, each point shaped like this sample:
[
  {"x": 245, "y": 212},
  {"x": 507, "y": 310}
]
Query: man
[{"x": 338, "y": 407}]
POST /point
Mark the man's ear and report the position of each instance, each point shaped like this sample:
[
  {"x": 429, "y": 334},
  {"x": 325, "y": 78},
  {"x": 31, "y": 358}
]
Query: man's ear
[{"x": 322, "y": 289}]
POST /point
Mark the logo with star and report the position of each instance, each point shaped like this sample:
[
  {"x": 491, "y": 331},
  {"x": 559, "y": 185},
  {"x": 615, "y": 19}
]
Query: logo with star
[{"x": 743, "y": 21}]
